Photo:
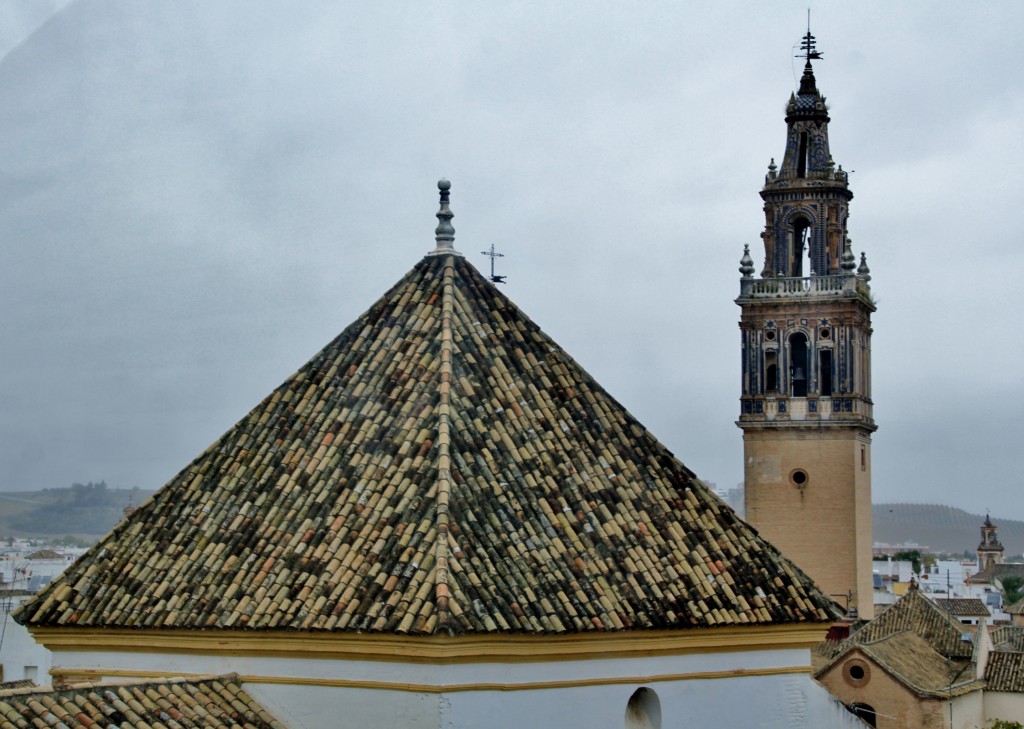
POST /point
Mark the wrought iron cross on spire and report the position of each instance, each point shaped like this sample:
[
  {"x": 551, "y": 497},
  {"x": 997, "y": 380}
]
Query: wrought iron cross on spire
[{"x": 492, "y": 254}]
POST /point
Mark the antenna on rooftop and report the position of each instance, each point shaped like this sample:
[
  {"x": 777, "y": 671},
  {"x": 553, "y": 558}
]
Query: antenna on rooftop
[{"x": 492, "y": 254}]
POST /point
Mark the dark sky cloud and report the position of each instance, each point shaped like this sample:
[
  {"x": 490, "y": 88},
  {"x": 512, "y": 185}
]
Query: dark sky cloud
[{"x": 195, "y": 197}]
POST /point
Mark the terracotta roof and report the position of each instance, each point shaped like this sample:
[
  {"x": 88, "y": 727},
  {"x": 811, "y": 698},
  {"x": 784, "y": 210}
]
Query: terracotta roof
[
  {"x": 207, "y": 703},
  {"x": 21, "y": 683},
  {"x": 1005, "y": 672},
  {"x": 441, "y": 466},
  {"x": 910, "y": 659},
  {"x": 45, "y": 554},
  {"x": 1016, "y": 608},
  {"x": 918, "y": 614},
  {"x": 963, "y": 607},
  {"x": 996, "y": 572},
  {"x": 1008, "y": 638}
]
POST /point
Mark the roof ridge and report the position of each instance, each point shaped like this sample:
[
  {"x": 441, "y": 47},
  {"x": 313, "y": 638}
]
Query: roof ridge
[{"x": 442, "y": 590}]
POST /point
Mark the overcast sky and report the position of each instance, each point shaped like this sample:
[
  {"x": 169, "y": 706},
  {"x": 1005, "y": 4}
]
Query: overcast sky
[{"x": 196, "y": 196}]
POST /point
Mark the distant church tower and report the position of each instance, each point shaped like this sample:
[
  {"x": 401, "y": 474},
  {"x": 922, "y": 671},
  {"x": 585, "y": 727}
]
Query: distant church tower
[
  {"x": 806, "y": 410},
  {"x": 990, "y": 551}
]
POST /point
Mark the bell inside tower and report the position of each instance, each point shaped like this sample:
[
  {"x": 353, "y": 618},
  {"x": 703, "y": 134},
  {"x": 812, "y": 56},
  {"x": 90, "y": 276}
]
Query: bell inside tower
[
  {"x": 798, "y": 368},
  {"x": 801, "y": 249}
]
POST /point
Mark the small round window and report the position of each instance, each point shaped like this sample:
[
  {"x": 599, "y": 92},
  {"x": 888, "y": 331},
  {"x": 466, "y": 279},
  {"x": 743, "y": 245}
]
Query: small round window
[
  {"x": 856, "y": 672},
  {"x": 799, "y": 478},
  {"x": 770, "y": 335},
  {"x": 825, "y": 332}
]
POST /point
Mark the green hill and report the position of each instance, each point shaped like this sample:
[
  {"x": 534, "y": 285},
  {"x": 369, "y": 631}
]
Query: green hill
[
  {"x": 942, "y": 528},
  {"x": 82, "y": 510}
]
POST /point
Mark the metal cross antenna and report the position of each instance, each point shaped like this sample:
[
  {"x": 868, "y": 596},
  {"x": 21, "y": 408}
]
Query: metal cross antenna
[
  {"x": 807, "y": 45},
  {"x": 492, "y": 254}
]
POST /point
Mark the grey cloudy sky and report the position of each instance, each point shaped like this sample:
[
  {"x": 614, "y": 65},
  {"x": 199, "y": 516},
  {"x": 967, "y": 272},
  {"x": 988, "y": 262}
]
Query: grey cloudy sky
[{"x": 196, "y": 196}]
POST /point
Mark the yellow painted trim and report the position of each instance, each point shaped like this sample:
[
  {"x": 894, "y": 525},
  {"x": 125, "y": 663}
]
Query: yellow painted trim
[
  {"x": 434, "y": 648},
  {"x": 95, "y": 674}
]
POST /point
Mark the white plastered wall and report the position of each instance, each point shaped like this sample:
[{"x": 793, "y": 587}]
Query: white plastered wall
[{"x": 741, "y": 688}]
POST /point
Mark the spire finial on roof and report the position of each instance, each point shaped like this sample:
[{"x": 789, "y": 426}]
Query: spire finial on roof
[
  {"x": 809, "y": 53},
  {"x": 444, "y": 234}
]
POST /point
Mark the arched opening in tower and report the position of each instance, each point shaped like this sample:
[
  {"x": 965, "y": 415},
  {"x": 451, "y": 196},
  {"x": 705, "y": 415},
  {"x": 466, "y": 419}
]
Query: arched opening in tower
[
  {"x": 825, "y": 376},
  {"x": 801, "y": 248},
  {"x": 798, "y": 364},
  {"x": 771, "y": 372}
]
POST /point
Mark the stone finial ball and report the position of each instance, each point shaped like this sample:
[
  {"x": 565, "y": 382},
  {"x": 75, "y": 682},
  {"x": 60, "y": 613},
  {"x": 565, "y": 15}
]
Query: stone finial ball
[{"x": 443, "y": 184}]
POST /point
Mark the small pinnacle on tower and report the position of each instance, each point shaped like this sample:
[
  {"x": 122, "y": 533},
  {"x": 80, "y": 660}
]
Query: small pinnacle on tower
[
  {"x": 746, "y": 263},
  {"x": 849, "y": 262},
  {"x": 863, "y": 272},
  {"x": 444, "y": 234}
]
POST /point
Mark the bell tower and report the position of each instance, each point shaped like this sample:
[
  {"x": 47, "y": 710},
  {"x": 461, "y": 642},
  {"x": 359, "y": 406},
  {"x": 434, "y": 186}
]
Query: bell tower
[
  {"x": 805, "y": 324},
  {"x": 990, "y": 551}
]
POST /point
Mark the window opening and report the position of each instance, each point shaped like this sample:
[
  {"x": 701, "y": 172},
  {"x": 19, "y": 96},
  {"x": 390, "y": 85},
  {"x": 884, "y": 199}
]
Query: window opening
[
  {"x": 798, "y": 365},
  {"x": 771, "y": 372},
  {"x": 865, "y": 712},
  {"x": 801, "y": 248},
  {"x": 643, "y": 710},
  {"x": 825, "y": 379},
  {"x": 801, "y": 160}
]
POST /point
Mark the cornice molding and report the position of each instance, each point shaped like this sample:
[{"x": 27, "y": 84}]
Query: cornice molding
[
  {"x": 90, "y": 675},
  {"x": 434, "y": 649}
]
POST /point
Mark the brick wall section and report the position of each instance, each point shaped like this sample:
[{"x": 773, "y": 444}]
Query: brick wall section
[{"x": 824, "y": 526}]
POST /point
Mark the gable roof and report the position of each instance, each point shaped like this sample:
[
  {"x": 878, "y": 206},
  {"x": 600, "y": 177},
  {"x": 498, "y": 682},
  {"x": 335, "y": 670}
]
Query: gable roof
[
  {"x": 442, "y": 466},
  {"x": 918, "y": 614},
  {"x": 914, "y": 663},
  {"x": 996, "y": 572},
  {"x": 209, "y": 703},
  {"x": 963, "y": 607}
]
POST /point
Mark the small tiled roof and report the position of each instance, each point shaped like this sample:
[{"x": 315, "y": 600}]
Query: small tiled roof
[
  {"x": 996, "y": 572},
  {"x": 20, "y": 684},
  {"x": 205, "y": 703},
  {"x": 1008, "y": 638},
  {"x": 918, "y": 614},
  {"x": 441, "y": 466},
  {"x": 1016, "y": 609},
  {"x": 1005, "y": 672},
  {"x": 910, "y": 659},
  {"x": 963, "y": 607}
]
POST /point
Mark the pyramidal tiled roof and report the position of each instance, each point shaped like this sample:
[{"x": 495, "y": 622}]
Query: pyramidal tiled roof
[
  {"x": 442, "y": 466},
  {"x": 217, "y": 701}
]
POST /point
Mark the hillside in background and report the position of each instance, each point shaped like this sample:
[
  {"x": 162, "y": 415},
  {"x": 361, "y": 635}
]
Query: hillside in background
[
  {"x": 942, "y": 528},
  {"x": 81, "y": 510},
  {"x": 91, "y": 510}
]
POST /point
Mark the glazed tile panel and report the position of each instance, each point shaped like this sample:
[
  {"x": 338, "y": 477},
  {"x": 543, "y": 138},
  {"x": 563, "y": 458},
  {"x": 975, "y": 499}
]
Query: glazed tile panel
[
  {"x": 166, "y": 704},
  {"x": 441, "y": 466}
]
